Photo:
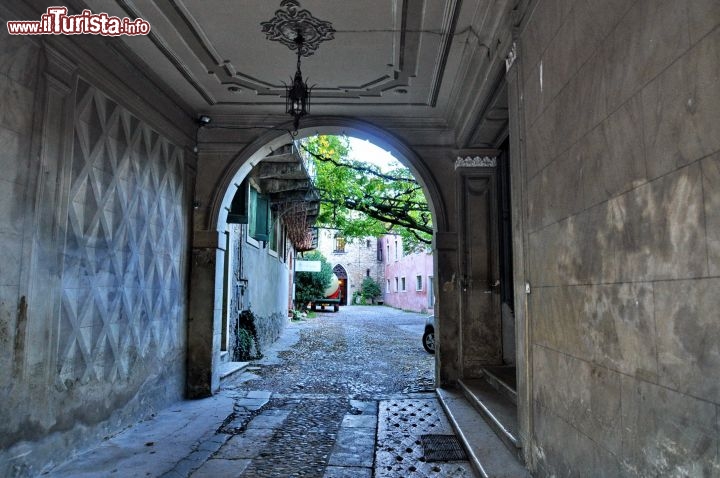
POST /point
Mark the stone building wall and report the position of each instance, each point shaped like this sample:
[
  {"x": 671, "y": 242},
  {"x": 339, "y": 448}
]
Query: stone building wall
[
  {"x": 260, "y": 281},
  {"x": 95, "y": 200},
  {"x": 359, "y": 257},
  {"x": 622, "y": 168}
]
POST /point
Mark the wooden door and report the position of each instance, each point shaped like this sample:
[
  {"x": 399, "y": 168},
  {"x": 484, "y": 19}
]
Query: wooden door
[{"x": 480, "y": 317}]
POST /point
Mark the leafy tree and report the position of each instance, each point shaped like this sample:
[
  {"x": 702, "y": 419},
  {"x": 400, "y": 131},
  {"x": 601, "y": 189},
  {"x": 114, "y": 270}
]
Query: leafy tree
[
  {"x": 361, "y": 200},
  {"x": 369, "y": 288},
  {"x": 311, "y": 285}
]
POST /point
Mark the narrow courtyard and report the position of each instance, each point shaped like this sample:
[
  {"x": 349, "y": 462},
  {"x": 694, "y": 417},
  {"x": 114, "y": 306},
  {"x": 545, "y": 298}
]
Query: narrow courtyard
[{"x": 345, "y": 394}]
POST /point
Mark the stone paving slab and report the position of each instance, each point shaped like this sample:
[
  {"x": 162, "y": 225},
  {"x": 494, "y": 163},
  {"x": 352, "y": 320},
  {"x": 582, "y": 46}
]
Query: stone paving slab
[
  {"x": 182, "y": 435},
  {"x": 359, "y": 421},
  {"x": 259, "y": 394},
  {"x": 269, "y": 419},
  {"x": 229, "y": 368},
  {"x": 221, "y": 468},
  {"x": 354, "y": 447},
  {"x": 347, "y": 472},
  {"x": 252, "y": 403},
  {"x": 364, "y": 407},
  {"x": 246, "y": 445}
]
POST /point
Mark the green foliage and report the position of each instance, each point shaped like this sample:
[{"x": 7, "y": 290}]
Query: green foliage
[
  {"x": 369, "y": 291},
  {"x": 369, "y": 288},
  {"x": 243, "y": 345},
  {"x": 361, "y": 200},
  {"x": 357, "y": 298},
  {"x": 245, "y": 338},
  {"x": 311, "y": 285}
]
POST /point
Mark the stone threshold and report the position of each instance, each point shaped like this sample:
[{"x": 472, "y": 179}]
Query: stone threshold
[
  {"x": 230, "y": 368},
  {"x": 496, "y": 409}
]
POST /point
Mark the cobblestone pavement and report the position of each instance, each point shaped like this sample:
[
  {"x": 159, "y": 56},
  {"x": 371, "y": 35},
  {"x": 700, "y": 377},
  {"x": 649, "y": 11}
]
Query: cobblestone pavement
[
  {"x": 342, "y": 395},
  {"x": 359, "y": 352}
]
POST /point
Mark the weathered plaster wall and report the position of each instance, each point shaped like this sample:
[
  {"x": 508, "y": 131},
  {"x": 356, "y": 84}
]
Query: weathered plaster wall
[
  {"x": 20, "y": 61},
  {"x": 621, "y": 110},
  {"x": 409, "y": 267},
  {"x": 93, "y": 241},
  {"x": 267, "y": 289}
]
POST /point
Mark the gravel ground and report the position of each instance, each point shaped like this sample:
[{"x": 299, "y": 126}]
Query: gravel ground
[{"x": 360, "y": 352}]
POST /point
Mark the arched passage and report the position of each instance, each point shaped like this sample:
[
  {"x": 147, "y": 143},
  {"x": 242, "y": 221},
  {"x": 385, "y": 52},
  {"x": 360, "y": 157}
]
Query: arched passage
[
  {"x": 210, "y": 278},
  {"x": 342, "y": 276},
  {"x": 274, "y": 139}
]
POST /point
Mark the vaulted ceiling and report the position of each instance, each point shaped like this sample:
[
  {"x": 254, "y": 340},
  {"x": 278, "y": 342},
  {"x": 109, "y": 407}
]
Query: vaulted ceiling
[{"x": 398, "y": 59}]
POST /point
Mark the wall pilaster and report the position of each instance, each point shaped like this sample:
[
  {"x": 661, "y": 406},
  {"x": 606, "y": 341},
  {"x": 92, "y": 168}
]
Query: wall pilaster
[{"x": 205, "y": 314}]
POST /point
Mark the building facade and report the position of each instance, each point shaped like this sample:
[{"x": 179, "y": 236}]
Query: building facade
[
  {"x": 408, "y": 282},
  {"x": 352, "y": 260}
]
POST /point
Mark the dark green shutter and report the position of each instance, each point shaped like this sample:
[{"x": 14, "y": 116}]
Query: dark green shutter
[{"x": 262, "y": 219}]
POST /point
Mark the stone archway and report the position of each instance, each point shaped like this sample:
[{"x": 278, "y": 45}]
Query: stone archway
[
  {"x": 209, "y": 253},
  {"x": 342, "y": 276},
  {"x": 253, "y": 153}
]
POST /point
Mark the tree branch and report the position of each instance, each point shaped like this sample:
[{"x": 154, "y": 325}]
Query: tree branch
[{"x": 340, "y": 164}]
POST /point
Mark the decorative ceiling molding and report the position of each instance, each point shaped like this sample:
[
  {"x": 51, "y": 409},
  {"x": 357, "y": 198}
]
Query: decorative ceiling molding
[
  {"x": 476, "y": 162},
  {"x": 450, "y": 18},
  {"x": 246, "y": 89},
  {"x": 287, "y": 24},
  {"x": 162, "y": 45},
  {"x": 491, "y": 125}
]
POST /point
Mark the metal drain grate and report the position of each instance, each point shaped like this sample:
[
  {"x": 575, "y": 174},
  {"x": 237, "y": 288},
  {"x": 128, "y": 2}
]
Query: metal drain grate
[{"x": 442, "y": 448}]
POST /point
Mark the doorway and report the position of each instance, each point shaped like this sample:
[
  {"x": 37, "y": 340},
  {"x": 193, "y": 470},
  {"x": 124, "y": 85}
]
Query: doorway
[
  {"x": 342, "y": 276},
  {"x": 488, "y": 348},
  {"x": 487, "y": 307}
]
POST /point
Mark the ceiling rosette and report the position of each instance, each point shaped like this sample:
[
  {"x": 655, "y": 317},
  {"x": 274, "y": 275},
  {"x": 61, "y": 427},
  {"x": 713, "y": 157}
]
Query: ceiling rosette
[{"x": 292, "y": 21}]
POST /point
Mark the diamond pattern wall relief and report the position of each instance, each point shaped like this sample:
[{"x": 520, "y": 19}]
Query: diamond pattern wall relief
[{"x": 123, "y": 304}]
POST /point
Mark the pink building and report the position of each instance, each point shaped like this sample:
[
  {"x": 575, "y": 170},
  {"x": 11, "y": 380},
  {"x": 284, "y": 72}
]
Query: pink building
[{"x": 408, "y": 279}]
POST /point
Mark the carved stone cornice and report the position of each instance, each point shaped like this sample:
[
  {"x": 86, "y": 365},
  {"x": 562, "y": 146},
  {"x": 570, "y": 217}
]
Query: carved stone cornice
[{"x": 476, "y": 162}]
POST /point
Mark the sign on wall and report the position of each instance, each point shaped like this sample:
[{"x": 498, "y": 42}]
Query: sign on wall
[{"x": 307, "y": 266}]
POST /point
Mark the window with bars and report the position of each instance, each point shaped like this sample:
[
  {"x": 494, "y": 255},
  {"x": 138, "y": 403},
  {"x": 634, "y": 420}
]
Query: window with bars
[{"x": 340, "y": 244}]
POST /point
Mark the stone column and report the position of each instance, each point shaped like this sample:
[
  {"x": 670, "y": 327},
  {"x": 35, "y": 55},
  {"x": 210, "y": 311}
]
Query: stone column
[
  {"x": 205, "y": 313},
  {"x": 45, "y": 229},
  {"x": 447, "y": 317}
]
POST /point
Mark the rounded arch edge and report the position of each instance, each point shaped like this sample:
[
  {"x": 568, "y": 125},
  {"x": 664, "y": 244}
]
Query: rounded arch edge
[{"x": 267, "y": 142}]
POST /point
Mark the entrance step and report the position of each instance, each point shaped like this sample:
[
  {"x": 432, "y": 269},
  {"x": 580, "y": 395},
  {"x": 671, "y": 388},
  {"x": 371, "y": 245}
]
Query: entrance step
[
  {"x": 229, "y": 368},
  {"x": 503, "y": 379},
  {"x": 496, "y": 409},
  {"x": 488, "y": 454}
]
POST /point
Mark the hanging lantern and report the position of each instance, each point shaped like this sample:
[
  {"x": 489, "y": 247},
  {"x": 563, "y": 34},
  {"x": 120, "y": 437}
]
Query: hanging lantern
[{"x": 297, "y": 97}]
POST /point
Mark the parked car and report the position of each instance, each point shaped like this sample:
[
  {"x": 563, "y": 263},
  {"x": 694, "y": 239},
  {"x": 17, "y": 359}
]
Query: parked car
[{"x": 428, "y": 339}]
